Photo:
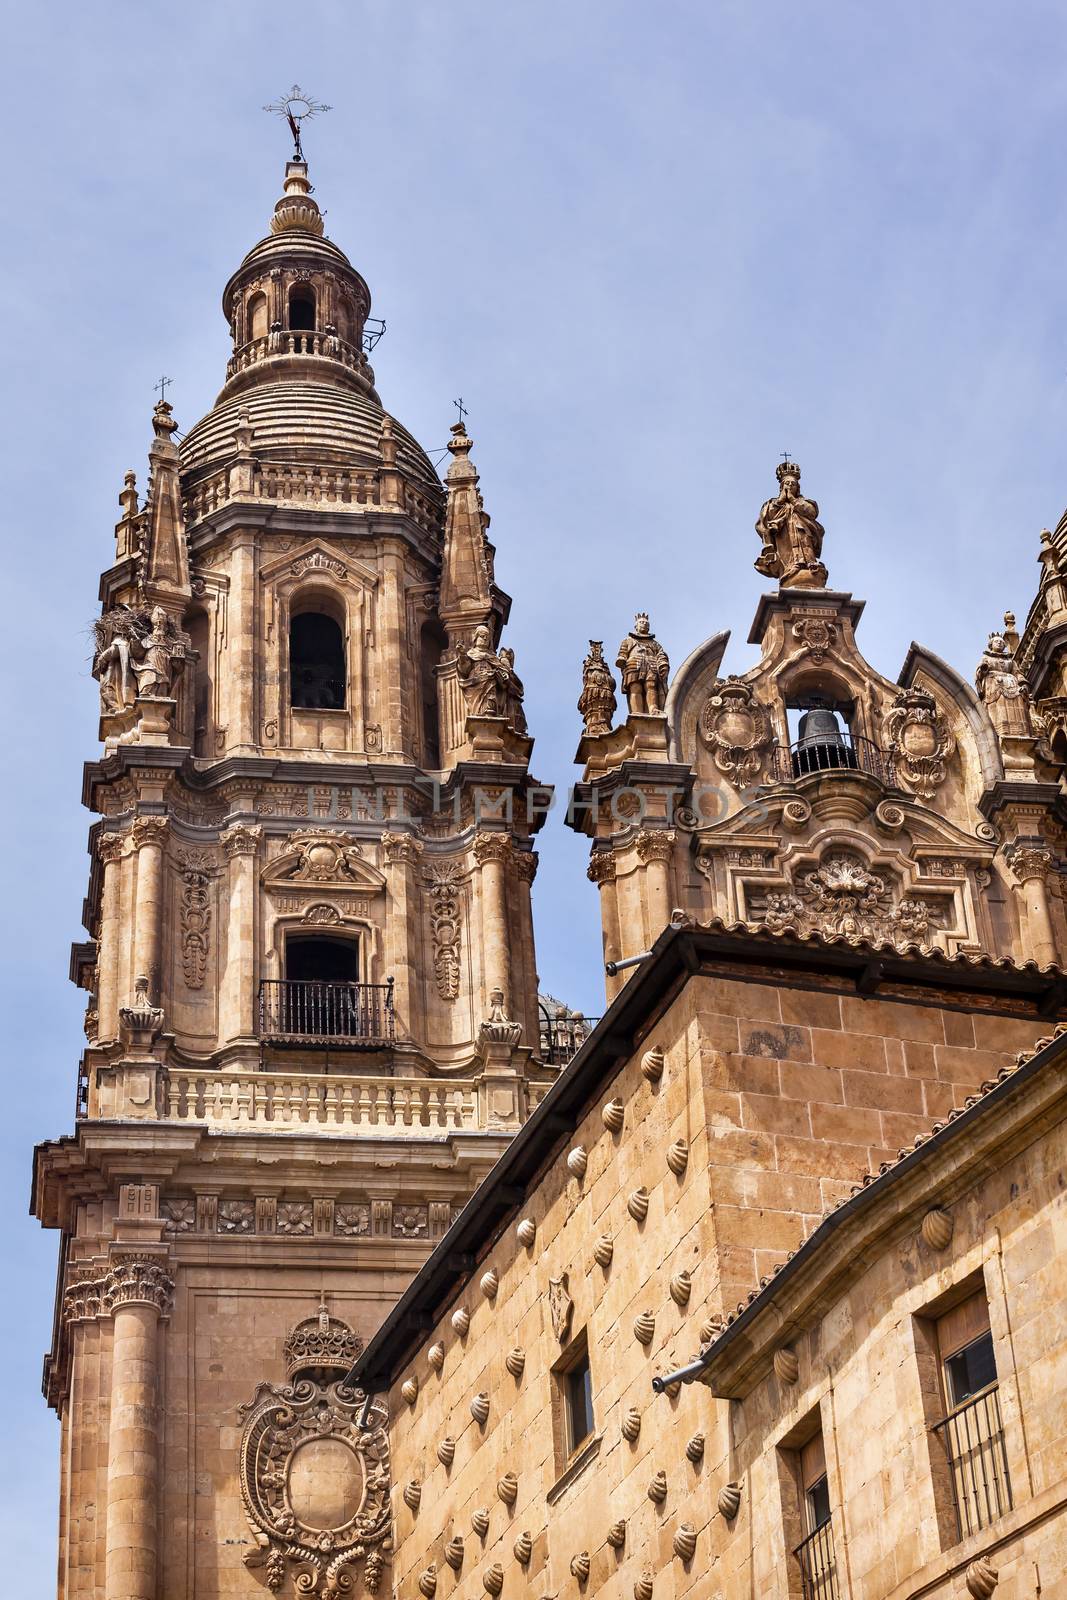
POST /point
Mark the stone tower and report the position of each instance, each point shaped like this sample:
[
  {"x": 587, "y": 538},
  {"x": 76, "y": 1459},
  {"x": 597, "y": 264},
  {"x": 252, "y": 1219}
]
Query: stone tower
[
  {"x": 811, "y": 794},
  {"x": 313, "y": 1015}
]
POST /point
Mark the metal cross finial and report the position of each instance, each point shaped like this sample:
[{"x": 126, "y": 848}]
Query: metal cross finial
[
  {"x": 461, "y": 408},
  {"x": 296, "y": 107},
  {"x": 161, "y": 384},
  {"x": 786, "y": 456}
]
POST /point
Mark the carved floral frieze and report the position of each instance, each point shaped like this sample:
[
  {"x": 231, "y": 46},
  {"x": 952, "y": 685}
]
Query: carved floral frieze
[{"x": 843, "y": 898}]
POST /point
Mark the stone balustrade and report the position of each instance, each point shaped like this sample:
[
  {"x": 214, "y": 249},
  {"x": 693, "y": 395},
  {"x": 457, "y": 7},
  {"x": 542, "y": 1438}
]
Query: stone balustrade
[{"x": 309, "y": 1101}]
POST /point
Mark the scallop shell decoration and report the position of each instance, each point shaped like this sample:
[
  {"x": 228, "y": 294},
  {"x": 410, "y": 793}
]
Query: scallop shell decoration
[
  {"x": 671, "y": 1390},
  {"x": 685, "y": 1542},
  {"x": 637, "y": 1205},
  {"x": 578, "y": 1161},
  {"x": 446, "y": 1452},
  {"x": 730, "y": 1500},
  {"x": 616, "y": 1535},
  {"x": 652, "y": 1064},
  {"x": 523, "y": 1549},
  {"x": 657, "y": 1489},
  {"x": 515, "y": 1361},
  {"x": 480, "y": 1408},
  {"x": 527, "y": 1232},
  {"x": 681, "y": 1287},
  {"x": 678, "y": 1157},
  {"x": 412, "y": 1494},
  {"x": 603, "y": 1251},
  {"x": 454, "y": 1552},
  {"x": 435, "y": 1355},
  {"x": 645, "y": 1328},
  {"x": 695, "y": 1448},
  {"x": 786, "y": 1365},
  {"x": 428, "y": 1582},
  {"x": 410, "y": 1389},
  {"x": 631, "y": 1425},
  {"x": 708, "y": 1331},
  {"x": 613, "y": 1116},
  {"x": 937, "y": 1229},
  {"x": 490, "y": 1283},
  {"x": 508, "y": 1488},
  {"x": 493, "y": 1578},
  {"x": 643, "y": 1587},
  {"x": 480, "y": 1521},
  {"x": 581, "y": 1566},
  {"x": 461, "y": 1321},
  {"x": 981, "y": 1579}
]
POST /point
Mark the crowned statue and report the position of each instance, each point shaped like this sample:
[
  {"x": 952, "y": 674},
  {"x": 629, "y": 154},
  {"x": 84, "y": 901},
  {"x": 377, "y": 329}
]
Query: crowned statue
[
  {"x": 792, "y": 535},
  {"x": 645, "y": 668}
]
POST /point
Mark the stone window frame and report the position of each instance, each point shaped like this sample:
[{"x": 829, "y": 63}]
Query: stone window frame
[
  {"x": 570, "y": 1463},
  {"x": 793, "y": 1525}
]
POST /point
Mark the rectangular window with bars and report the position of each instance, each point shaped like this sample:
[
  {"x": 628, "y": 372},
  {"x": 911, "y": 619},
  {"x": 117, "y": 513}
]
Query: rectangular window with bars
[
  {"x": 815, "y": 1552},
  {"x": 970, "y": 1433}
]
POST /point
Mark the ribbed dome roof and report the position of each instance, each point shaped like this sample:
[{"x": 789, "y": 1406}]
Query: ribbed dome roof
[{"x": 320, "y": 424}]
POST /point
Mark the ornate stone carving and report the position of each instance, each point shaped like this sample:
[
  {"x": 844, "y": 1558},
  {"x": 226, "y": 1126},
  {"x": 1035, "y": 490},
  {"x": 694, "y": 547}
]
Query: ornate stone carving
[
  {"x": 792, "y": 535},
  {"x": 1030, "y": 859},
  {"x": 403, "y": 847},
  {"x": 737, "y": 730},
  {"x": 321, "y": 915},
  {"x": 133, "y": 1279},
  {"x": 179, "y": 1216},
  {"x": 816, "y": 636},
  {"x": 196, "y": 868},
  {"x": 314, "y": 1471},
  {"x": 491, "y": 686},
  {"x": 109, "y": 847},
  {"x": 317, "y": 561},
  {"x": 149, "y": 831},
  {"x": 236, "y": 1216},
  {"x": 654, "y": 845},
  {"x": 351, "y": 1221},
  {"x": 295, "y": 1219},
  {"x": 561, "y": 1306},
  {"x": 138, "y": 654},
  {"x": 410, "y": 1222},
  {"x": 442, "y": 880},
  {"x": 917, "y": 741},
  {"x": 601, "y": 868},
  {"x": 1005, "y": 692},
  {"x": 498, "y": 1027},
  {"x": 492, "y": 847},
  {"x": 644, "y": 666},
  {"x": 843, "y": 898},
  {"x": 324, "y": 858},
  {"x": 597, "y": 702},
  {"x": 141, "y": 1022},
  {"x": 241, "y": 839},
  {"x": 525, "y": 864}
]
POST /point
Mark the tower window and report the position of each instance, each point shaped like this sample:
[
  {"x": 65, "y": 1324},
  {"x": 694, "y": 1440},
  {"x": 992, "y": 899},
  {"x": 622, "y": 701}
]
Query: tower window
[
  {"x": 433, "y": 646},
  {"x": 318, "y": 960},
  {"x": 316, "y": 663},
  {"x": 301, "y": 308},
  {"x": 256, "y": 317}
]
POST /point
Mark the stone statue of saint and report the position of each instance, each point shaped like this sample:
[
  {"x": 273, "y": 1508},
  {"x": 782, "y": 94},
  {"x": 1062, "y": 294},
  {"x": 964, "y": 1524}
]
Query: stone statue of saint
[
  {"x": 1004, "y": 692},
  {"x": 137, "y": 656},
  {"x": 643, "y": 663},
  {"x": 792, "y": 535},
  {"x": 597, "y": 700},
  {"x": 491, "y": 685}
]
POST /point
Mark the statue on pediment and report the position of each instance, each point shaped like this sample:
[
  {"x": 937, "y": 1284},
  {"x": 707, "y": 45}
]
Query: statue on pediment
[{"x": 792, "y": 535}]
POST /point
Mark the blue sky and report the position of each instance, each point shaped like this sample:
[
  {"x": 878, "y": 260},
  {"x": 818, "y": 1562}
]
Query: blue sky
[{"x": 651, "y": 247}]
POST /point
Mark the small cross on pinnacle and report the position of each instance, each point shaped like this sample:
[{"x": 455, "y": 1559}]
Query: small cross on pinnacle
[
  {"x": 785, "y": 455},
  {"x": 461, "y": 408},
  {"x": 161, "y": 384}
]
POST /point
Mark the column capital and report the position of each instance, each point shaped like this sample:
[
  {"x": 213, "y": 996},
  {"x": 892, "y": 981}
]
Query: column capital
[
  {"x": 1030, "y": 859},
  {"x": 526, "y": 864},
  {"x": 601, "y": 868},
  {"x": 149, "y": 830},
  {"x": 242, "y": 839},
  {"x": 109, "y": 847},
  {"x": 655, "y": 845},
  {"x": 130, "y": 1278},
  {"x": 401, "y": 847},
  {"x": 491, "y": 847}
]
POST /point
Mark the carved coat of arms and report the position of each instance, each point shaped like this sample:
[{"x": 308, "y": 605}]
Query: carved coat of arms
[
  {"x": 918, "y": 741},
  {"x": 737, "y": 730},
  {"x": 561, "y": 1306}
]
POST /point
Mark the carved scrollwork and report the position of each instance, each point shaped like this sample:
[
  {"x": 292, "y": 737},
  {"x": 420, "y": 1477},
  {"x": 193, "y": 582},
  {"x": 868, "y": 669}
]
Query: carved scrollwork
[
  {"x": 442, "y": 880},
  {"x": 917, "y": 741},
  {"x": 314, "y": 1472},
  {"x": 324, "y": 858},
  {"x": 737, "y": 729},
  {"x": 816, "y": 637},
  {"x": 196, "y": 868},
  {"x": 843, "y": 898}
]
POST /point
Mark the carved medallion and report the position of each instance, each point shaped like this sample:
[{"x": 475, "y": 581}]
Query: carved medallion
[
  {"x": 315, "y": 1483},
  {"x": 324, "y": 858},
  {"x": 816, "y": 636},
  {"x": 917, "y": 741},
  {"x": 560, "y": 1305},
  {"x": 737, "y": 730}
]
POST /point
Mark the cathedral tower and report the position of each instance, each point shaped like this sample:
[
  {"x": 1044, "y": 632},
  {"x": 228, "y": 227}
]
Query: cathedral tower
[{"x": 313, "y": 1015}]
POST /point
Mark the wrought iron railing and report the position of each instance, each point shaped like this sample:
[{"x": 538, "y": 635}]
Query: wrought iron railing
[
  {"x": 973, "y": 1440},
  {"x": 818, "y": 1569},
  {"x": 847, "y": 752},
  {"x": 302, "y": 1011},
  {"x": 563, "y": 1036}
]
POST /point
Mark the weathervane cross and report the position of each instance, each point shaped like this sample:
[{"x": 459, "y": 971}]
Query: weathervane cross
[
  {"x": 296, "y": 107},
  {"x": 461, "y": 408},
  {"x": 161, "y": 384}
]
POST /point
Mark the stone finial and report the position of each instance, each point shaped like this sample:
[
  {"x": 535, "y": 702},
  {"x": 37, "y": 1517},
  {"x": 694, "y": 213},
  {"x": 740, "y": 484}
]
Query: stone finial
[
  {"x": 792, "y": 535},
  {"x": 645, "y": 669},
  {"x": 296, "y": 211},
  {"x": 597, "y": 702}
]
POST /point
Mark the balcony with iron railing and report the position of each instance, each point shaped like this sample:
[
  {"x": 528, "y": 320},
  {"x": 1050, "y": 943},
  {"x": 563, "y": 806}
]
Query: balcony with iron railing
[
  {"x": 843, "y": 752},
  {"x": 818, "y": 1568},
  {"x": 972, "y": 1437},
  {"x": 562, "y": 1035},
  {"x": 318, "y": 1015}
]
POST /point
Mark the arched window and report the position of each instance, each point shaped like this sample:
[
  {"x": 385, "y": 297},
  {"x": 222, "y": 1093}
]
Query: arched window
[
  {"x": 256, "y": 317},
  {"x": 433, "y": 644},
  {"x": 316, "y": 663},
  {"x": 198, "y": 679},
  {"x": 302, "y": 308}
]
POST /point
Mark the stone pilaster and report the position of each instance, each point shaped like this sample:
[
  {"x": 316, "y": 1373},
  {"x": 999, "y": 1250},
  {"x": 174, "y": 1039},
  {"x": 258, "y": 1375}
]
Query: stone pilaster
[
  {"x": 149, "y": 835},
  {"x": 1032, "y": 862},
  {"x": 109, "y": 848},
  {"x": 492, "y": 851},
  {"x": 402, "y": 853},
  {"x": 654, "y": 850},
  {"x": 238, "y": 998},
  {"x": 601, "y": 871}
]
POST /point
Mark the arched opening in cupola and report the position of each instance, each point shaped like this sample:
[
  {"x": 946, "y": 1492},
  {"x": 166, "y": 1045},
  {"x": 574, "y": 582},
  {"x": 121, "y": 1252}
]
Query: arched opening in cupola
[
  {"x": 256, "y": 326},
  {"x": 433, "y": 643},
  {"x": 198, "y": 679},
  {"x": 301, "y": 308},
  {"x": 820, "y": 714},
  {"x": 317, "y": 668}
]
